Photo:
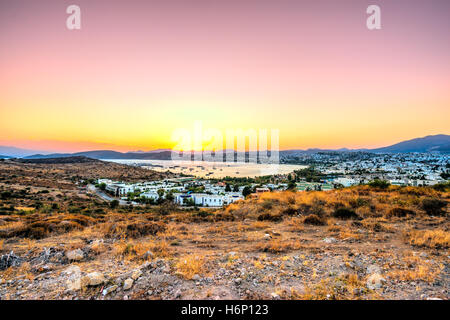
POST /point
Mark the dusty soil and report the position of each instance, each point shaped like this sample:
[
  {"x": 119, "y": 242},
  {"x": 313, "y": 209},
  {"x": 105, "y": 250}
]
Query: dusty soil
[{"x": 354, "y": 243}]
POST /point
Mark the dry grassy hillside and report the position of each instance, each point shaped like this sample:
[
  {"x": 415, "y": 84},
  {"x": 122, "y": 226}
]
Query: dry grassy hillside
[
  {"x": 62, "y": 175},
  {"x": 354, "y": 243}
]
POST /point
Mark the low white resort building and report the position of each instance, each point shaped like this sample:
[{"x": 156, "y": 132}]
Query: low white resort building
[
  {"x": 206, "y": 200},
  {"x": 214, "y": 197}
]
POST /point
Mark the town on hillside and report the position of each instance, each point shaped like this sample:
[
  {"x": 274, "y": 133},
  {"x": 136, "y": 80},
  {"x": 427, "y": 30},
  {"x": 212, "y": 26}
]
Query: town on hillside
[{"x": 328, "y": 171}]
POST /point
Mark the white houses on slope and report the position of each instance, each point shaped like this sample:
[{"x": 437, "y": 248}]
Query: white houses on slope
[
  {"x": 206, "y": 200},
  {"x": 215, "y": 196}
]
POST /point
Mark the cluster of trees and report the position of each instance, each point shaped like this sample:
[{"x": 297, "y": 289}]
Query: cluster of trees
[
  {"x": 228, "y": 188},
  {"x": 310, "y": 174}
]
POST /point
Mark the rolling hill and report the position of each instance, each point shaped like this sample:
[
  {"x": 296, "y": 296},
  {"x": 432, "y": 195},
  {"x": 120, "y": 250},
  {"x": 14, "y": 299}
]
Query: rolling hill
[
  {"x": 435, "y": 143},
  {"x": 440, "y": 143}
]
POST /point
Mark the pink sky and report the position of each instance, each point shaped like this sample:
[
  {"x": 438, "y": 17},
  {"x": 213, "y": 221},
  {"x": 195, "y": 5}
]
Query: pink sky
[{"x": 140, "y": 69}]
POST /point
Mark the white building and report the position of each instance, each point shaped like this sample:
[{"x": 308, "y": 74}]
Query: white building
[
  {"x": 346, "y": 182},
  {"x": 150, "y": 195},
  {"x": 206, "y": 200}
]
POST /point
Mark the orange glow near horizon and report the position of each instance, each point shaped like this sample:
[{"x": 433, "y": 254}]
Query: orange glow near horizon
[{"x": 135, "y": 73}]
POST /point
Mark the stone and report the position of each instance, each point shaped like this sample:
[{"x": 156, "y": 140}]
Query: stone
[
  {"x": 9, "y": 260},
  {"x": 93, "y": 279},
  {"x": 195, "y": 277},
  {"x": 75, "y": 255},
  {"x": 148, "y": 255},
  {"x": 136, "y": 274},
  {"x": 74, "y": 280},
  {"x": 110, "y": 289},
  {"x": 275, "y": 296},
  {"x": 73, "y": 283},
  {"x": 127, "y": 284},
  {"x": 329, "y": 240},
  {"x": 146, "y": 265},
  {"x": 375, "y": 281},
  {"x": 177, "y": 294},
  {"x": 373, "y": 269},
  {"x": 71, "y": 270}
]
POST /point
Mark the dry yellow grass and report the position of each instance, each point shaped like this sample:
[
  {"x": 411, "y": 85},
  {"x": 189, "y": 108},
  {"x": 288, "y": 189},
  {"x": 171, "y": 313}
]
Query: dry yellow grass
[
  {"x": 340, "y": 288},
  {"x": 295, "y": 224},
  {"x": 23, "y": 270},
  {"x": 190, "y": 265},
  {"x": 279, "y": 246},
  {"x": 347, "y": 233},
  {"x": 25, "y": 208},
  {"x": 132, "y": 250},
  {"x": 258, "y": 225},
  {"x": 429, "y": 238},
  {"x": 416, "y": 268}
]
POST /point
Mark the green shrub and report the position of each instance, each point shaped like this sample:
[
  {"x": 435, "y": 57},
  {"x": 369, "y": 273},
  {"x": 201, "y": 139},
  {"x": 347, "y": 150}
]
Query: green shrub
[
  {"x": 379, "y": 184},
  {"x": 345, "y": 213},
  {"x": 434, "y": 207},
  {"x": 400, "y": 212},
  {"x": 314, "y": 220},
  {"x": 269, "y": 217}
]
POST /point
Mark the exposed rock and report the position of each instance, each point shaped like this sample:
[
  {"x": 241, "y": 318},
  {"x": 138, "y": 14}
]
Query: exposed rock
[
  {"x": 375, "y": 281},
  {"x": 128, "y": 284},
  {"x": 177, "y": 294},
  {"x": 329, "y": 240},
  {"x": 136, "y": 274},
  {"x": 9, "y": 260},
  {"x": 75, "y": 255},
  {"x": 108, "y": 290},
  {"x": 275, "y": 296},
  {"x": 146, "y": 265},
  {"x": 93, "y": 279},
  {"x": 372, "y": 269},
  {"x": 148, "y": 255},
  {"x": 74, "y": 280}
]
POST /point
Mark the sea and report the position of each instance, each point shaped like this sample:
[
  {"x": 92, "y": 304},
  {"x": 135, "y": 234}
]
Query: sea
[{"x": 219, "y": 170}]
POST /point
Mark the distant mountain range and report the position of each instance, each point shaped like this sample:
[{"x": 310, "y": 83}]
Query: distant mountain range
[
  {"x": 109, "y": 155},
  {"x": 436, "y": 143},
  {"x": 17, "y": 152},
  {"x": 61, "y": 160}
]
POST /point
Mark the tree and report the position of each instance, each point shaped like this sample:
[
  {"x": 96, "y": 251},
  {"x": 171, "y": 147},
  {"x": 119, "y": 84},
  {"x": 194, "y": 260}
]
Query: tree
[
  {"x": 247, "y": 191},
  {"x": 236, "y": 188},
  {"x": 161, "y": 193},
  {"x": 114, "y": 204},
  {"x": 379, "y": 184},
  {"x": 169, "y": 196},
  {"x": 227, "y": 188},
  {"x": 292, "y": 186}
]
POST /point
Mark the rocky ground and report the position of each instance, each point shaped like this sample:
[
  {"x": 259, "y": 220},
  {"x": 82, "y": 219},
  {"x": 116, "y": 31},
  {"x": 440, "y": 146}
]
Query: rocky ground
[
  {"x": 354, "y": 243},
  {"x": 194, "y": 266}
]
